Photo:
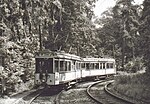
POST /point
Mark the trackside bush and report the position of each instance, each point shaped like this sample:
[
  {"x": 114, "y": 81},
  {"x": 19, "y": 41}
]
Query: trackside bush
[
  {"x": 134, "y": 65},
  {"x": 133, "y": 85}
]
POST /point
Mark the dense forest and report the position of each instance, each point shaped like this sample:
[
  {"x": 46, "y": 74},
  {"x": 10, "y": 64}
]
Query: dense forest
[{"x": 30, "y": 26}]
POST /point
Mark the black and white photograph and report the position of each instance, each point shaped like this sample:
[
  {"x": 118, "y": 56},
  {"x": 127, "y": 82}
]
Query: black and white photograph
[{"x": 74, "y": 51}]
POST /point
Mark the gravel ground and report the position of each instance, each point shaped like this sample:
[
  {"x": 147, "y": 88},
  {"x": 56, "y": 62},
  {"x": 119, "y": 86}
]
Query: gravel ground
[
  {"x": 14, "y": 98},
  {"x": 77, "y": 95},
  {"x": 48, "y": 97},
  {"x": 44, "y": 100},
  {"x": 6, "y": 100}
]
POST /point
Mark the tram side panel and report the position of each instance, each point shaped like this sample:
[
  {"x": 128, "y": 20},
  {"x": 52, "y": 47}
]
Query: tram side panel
[
  {"x": 66, "y": 71},
  {"x": 66, "y": 76},
  {"x": 97, "y": 69},
  {"x": 78, "y": 70},
  {"x": 85, "y": 72},
  {"x": 55, "y": 71},
  {"x": 93, "y": 69},
  {"x": 110, "y": 68}
]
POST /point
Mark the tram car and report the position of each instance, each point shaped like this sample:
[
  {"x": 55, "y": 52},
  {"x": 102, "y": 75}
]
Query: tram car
[
  {"x": 97, "y": 67},
  {"x": 59, "y": 68}
]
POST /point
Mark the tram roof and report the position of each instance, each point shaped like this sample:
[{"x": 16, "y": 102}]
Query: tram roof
[
  {"x": 68, "y": 56},
  {"x": 97, "y": 59},
  {"x": 62, "y": 55}
]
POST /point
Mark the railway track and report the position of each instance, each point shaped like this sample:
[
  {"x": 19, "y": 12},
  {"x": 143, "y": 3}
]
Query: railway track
[
  {"x": 28, "y": 97},
  {"x": 115, "y": 96},
  {"x": 76, "y": 95},
  {"x": 57, "y": 98},
  {"x": 99, "y": 92},
  {"x": 49, "y": 96},
  {"x": 126, "y": 99},
  {"x": 44, "y": 96},
  {"x": 90, "y": 95}
]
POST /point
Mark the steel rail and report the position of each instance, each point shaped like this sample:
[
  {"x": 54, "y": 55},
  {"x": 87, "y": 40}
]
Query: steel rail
[
  {"x": 21, "y": 98},
  {"x": 34, "y": 97},
  {"x": 90, "y": 95},
  {"x": 116, "y": 96},
  {"x": 57, "y": 101}
]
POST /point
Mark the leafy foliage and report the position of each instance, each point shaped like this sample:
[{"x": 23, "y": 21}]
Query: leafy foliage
[
  {"x": 56, "y": 24},
  {"x": 28, "y": 26},
  {"x": 119, "y": 31},
  {"x": 76, "y": 29},
  {"x": 144, "y": 42}
]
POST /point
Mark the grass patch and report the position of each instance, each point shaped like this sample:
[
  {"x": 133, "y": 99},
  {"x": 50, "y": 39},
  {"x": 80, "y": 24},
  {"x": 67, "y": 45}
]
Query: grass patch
[{"x": 133, "y": 85}]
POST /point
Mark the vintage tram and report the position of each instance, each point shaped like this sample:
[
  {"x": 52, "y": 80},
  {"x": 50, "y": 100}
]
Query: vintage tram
[
  {"x": 60, "y": 68},
  {"x": 54, "y": 68}
]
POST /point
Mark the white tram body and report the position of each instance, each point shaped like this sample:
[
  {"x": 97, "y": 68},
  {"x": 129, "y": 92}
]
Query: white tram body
[
  {"x": 57, "y": 69},
  {"x": 60, "y": 68},
  {"x": 98, "y": 67}
]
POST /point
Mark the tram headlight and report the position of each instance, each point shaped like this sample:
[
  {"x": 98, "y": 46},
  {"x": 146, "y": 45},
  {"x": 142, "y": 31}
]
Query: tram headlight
[{"x": 43, "y": 78}]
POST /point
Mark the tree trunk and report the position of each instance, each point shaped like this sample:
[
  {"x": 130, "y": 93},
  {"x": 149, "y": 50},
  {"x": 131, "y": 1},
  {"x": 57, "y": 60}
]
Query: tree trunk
[
  {"x": 123, "y": 52},
  {"x": 40, "y": 38}
]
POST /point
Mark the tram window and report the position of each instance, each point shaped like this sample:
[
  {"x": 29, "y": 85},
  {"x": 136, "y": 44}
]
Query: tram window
[
  {"x": 74, "y": 62},
  {"x": 56, "y": 66},
  {"x": 91, "y": 65},
  {"x": 43, "y": 65},
  {"x": 103, "y": 65},
  {"x": 108, "y": 65},
  {"x": 69, "y": 66},
  {"x": 87, "y": 66},
  {"x": 77, "y": 66},
  {"x": 66, "y": 66},
  {"x": 72, "y": 66},
  {"x": 49, "y": 65},
  {"x": 100, "y": 65},
  {"x": 111, "y": 65},
  {"x": 40, "y": 65},
  {"x": 83, "y": 65},
  {"x": 96, "y": 65},
  {"x": 61, "y": 66}
]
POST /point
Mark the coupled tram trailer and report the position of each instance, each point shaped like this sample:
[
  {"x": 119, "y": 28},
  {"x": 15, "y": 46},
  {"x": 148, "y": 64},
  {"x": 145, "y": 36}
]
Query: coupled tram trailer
[{"x": 63, "y": 69}]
